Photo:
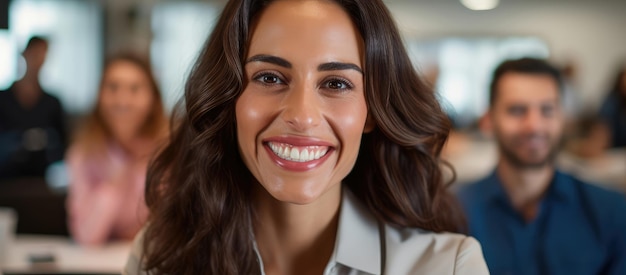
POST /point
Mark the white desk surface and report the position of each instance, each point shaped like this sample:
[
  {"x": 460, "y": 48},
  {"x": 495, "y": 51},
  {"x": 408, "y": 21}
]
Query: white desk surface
[{"x": 69, "y": 257}]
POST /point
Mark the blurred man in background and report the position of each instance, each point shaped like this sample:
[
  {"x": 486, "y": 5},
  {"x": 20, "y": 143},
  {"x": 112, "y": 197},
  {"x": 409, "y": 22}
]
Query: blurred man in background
[
  {"x": 529, "y": 217},
  {"x": 32, "y": 131}
]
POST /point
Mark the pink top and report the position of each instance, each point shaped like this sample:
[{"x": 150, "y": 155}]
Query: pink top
[{"x": 106, "y": 196}]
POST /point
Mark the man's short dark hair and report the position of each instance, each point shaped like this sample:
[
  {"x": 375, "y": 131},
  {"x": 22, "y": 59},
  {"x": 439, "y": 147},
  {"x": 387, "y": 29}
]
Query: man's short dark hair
[{"x": 525, "y": 66}]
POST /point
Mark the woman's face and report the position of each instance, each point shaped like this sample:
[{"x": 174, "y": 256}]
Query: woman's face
[
  {"x": 126, "y": 99},
  {"x": 302, "y": 112}
]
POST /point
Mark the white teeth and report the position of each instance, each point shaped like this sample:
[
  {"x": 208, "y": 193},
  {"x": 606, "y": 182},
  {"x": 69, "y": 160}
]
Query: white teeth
[
  {"x": 304, "y": 154},
  {"x": 298, "y": 154},
  {"x": 295, "y": 154}
]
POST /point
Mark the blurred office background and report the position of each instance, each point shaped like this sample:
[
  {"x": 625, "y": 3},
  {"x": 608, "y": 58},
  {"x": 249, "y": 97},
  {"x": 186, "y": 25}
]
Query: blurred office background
[
  {"x": 463, "y": 45},
  {"x": 455, "y": 45}
]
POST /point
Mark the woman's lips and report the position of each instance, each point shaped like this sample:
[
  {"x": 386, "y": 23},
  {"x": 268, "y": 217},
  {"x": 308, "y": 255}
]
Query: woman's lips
[{"x": 297, "y": 153}]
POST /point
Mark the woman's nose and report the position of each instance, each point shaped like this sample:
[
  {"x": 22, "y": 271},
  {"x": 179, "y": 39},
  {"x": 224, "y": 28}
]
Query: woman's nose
[
  {"x": 302, "y": 108},
  {"x": 124, "y": 96}
]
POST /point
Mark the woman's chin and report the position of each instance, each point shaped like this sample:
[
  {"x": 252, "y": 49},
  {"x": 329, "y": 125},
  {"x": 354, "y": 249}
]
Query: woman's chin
[
  {"x": 298, "y": 199},
  {"x": 300, "y": 196},
  {"x": 124, "y": 136}
]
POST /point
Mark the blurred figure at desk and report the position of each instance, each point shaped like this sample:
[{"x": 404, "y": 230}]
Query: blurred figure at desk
[
  {"x": 108, "y": 159},
  {"x": 529, "y": 217},
  {"x": 32, "y": 128}
]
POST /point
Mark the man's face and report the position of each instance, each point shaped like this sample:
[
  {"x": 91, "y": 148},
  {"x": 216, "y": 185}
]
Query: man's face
[
  {"x": 527, "y": 119},
  {"x": 35, "y": 56}
]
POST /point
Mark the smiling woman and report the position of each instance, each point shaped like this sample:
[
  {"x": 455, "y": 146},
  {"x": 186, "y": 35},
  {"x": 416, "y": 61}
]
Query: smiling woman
[
  {"x": 109, "y": 154},
  {"x": 308, "y": 145}
]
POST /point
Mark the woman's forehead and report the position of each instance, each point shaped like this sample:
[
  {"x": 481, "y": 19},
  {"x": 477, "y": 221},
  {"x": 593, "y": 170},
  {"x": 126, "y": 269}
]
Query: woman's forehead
[{"x": 306, "y": 30}]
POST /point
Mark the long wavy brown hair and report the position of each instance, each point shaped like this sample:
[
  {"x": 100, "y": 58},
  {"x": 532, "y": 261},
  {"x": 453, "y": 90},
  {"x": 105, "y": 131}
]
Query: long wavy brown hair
[
  {"x": 94, "y": 133},
  {"x": 199, "y": 189}
]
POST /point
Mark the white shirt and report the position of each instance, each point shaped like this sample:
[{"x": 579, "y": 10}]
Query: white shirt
[{"x": 407, "y": 250}]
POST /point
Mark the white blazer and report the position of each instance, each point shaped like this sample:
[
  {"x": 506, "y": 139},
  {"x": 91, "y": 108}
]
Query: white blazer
[{"x": 360, "y": 248}]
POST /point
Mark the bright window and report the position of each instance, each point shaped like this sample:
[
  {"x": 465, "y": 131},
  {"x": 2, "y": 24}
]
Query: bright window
[
  {"x": 72, "y": 68},
  {"x": 464, "y": 67},
  {"x": 180, "y": 30}
]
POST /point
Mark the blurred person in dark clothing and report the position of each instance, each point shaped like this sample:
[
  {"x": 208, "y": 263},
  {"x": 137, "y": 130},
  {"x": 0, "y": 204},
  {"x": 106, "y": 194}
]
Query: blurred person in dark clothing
[
  {"x": 608, "y": 127},
  {"x": 613, "y": 112},
  {"x": 32, "y": 130},
  {"x": 590, "y": 139},
  {"x": 530, "y": 217}
]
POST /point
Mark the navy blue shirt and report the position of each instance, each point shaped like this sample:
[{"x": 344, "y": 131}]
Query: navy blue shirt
[{"x": 579, "y": 229}]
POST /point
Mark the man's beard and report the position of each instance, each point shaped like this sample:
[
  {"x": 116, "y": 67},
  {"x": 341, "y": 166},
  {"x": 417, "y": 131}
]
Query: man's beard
[{"x": 512, "y": 157}]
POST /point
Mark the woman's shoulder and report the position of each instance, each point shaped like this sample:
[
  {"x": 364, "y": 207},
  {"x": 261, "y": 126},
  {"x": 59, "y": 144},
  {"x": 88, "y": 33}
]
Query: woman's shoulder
[
  {"x": 133, "y": 266},
  {"x": 411, "y": 251}
]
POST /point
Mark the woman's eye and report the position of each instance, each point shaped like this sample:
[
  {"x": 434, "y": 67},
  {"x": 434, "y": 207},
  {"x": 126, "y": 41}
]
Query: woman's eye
[
  {"x": 111, "y": 87},
  {"x": 338, "y": 84},
  {"x": 268, "y": 79}
]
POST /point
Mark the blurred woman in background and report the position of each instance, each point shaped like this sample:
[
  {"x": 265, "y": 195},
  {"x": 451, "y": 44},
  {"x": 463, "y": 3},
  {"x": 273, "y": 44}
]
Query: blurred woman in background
[{"x": 108, "y": 158}]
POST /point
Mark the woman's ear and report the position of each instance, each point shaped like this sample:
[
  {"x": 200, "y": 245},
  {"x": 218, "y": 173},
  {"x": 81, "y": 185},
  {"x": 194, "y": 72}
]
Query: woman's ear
[{"x": 370, "y": 124}]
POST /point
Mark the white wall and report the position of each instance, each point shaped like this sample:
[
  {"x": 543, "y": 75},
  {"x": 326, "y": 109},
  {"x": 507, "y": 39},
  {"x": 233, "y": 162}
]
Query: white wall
[{"x": 591, "y": 33}]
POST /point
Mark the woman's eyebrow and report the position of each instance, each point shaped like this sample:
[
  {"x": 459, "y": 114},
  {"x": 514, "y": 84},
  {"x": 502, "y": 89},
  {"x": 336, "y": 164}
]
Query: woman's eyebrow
[
  {"x": 335, "y": 66},
  {"x": 270, "y": 59},
  {"x": 330, "y": 66}
]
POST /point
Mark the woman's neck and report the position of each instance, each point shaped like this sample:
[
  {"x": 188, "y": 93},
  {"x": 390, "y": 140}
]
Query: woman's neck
[
  {"x": 137, "y": 148},
  {"x": 27, "y": 92},
  {"x": 296, "y": 239}
]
